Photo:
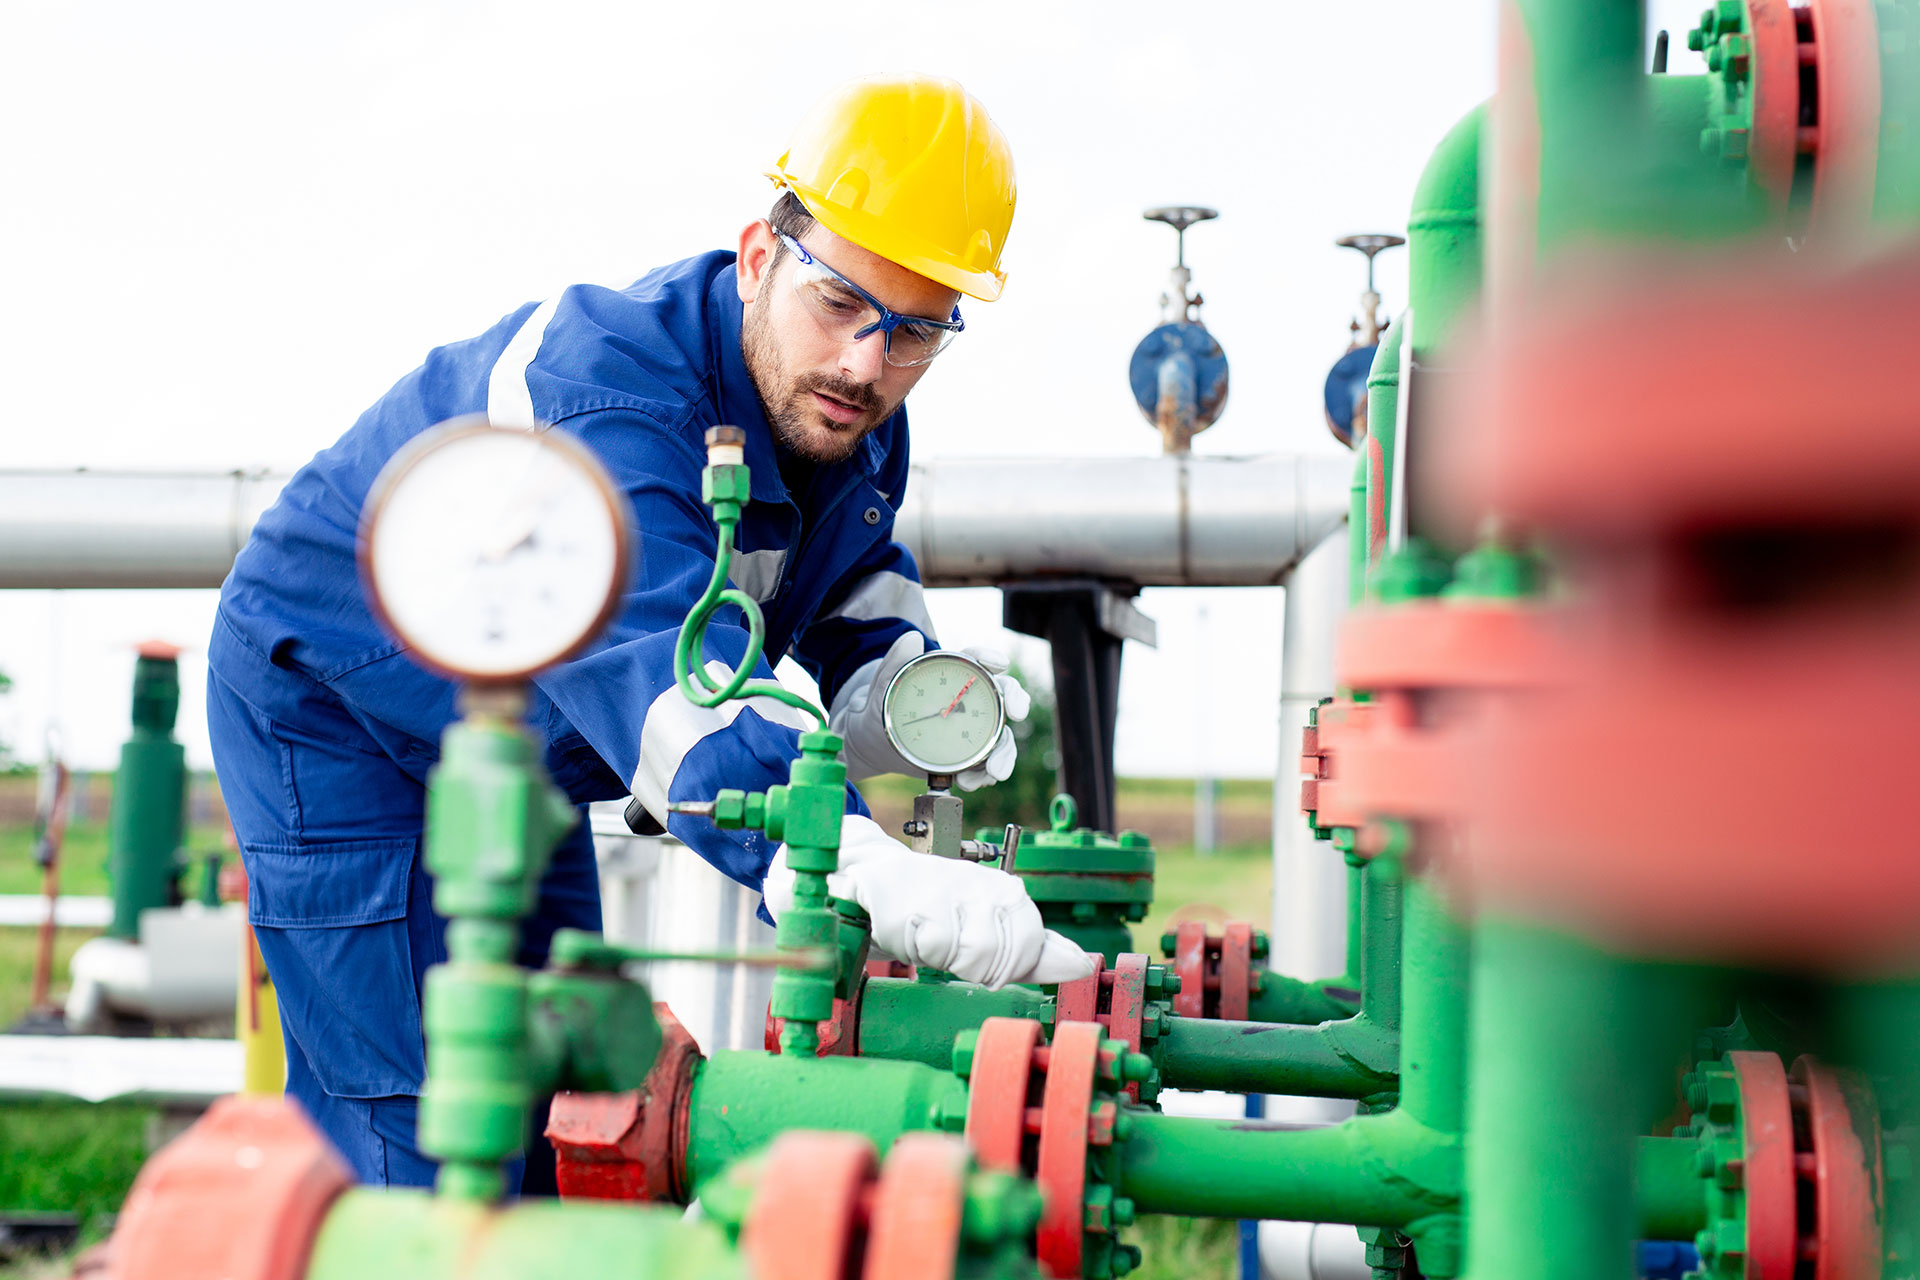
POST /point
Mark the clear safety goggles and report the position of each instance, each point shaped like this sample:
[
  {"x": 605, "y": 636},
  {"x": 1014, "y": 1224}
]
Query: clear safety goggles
[{"x": 847, "y": 313}]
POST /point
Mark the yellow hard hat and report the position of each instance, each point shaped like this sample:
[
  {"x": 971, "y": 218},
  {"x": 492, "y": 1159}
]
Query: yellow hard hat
[{"x": 911, "y": 168}]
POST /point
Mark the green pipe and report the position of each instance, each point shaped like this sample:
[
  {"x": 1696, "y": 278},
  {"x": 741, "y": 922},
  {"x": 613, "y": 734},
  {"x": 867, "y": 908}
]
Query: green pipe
[
  {"x": 394, "y": 1232},
  {"x": 741, "y": 1101},
  {"x": 1566, "y": 1063},
  {"x": 1373, "y": 1171},
  {"x": 1433, "y": 1077},
  {"x": 1443, "y": 235},
  {"x": 1349, "y": 1059},
  {"x": 1671, "y": 1200},
  {"x": 1376, "y": 458},
  {"x": 1356, "y": 919},
  {"x": 912, "y": 1021},
  {"x": 1381, "y": 893},
  {"x": 149, "y": 814},
  {"x": 1278, "y": 998},
  {"x": 1357, "y": 517}
]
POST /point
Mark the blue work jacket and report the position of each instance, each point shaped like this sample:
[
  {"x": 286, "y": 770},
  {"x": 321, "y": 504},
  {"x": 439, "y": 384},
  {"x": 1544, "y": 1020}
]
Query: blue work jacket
[{"x": 638, "y": 375}]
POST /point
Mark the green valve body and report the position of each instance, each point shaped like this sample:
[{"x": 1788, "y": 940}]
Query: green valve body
[
  {"x": 1088, "y": 885},
  {"x": 149, "y": 800},
  {"x": 394, "y": 1232},
  {"x": 492, "y": 821}
]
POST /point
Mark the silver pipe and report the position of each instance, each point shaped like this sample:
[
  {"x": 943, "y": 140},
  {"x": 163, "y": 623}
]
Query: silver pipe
[
  {"x": 1309, "y": 878},
  {"x": 1165, "y": 521},
  {"x": 1172, "y": 521},
  {"x": 91, "y": 528}
]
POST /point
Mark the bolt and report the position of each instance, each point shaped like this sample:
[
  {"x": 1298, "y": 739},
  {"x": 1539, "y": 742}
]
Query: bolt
[
  {"x": 1173, "y": 983},
  {"x": 1710, "y": 141},
  {"x": 1729, "y": 15},
  {"x": 1126, "y": 1258},
  {"x": 963, "y": 1046},
  {"x": 1097, "y": 1206},
  {"x": 1703, "y": 1162},
  {"x": 1084, "y": 912},
  {"x": 1733, "y": 144},
  {"x": 1696, "y": 39},
  {"x": 1166, "y": 944},
  {"x": 1122, "y": 1211},
  {"x": 1135, "y": 1067},
  {"x": 1122, "y": 1127},
  {"x": 1738, "y": 56},
  {"x": 1703, "y": 1242}
]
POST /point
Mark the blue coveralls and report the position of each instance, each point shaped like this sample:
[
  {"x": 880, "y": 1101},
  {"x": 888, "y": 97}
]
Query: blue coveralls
[{"x": 324, "y": 729}]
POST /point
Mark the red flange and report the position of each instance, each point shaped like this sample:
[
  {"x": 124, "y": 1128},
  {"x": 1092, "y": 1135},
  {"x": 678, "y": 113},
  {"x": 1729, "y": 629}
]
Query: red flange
[
  {"x": 997, "y": 1089},
  {"x": 629, "y": 1146},
  {"x": 1079, "y": 1000},
  {"x": 1061, "y": 1169},
  {"x": 809, "y": 1207},
  {"x": 1839, "y": 1156},
  {"x": 1846, "y": 47},
  {"x": 240, "y": 1195},
  {"x": 1766, "y": 1131},
  {"x": 1236, "y": 971},
  {"x": 1775, "y": 76},
  {"x": 1124, "y": 1001},
  {"x": 839, "y": 1035},
  {"x": 1190, "y": 966},
  {"x": 914, "y": 1229}
]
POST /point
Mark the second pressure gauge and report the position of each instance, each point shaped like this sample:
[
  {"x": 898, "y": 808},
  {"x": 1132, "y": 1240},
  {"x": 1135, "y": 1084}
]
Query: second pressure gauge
[
  {"x": 943, "y": 712},
  {"x": 494, "y": 553}
]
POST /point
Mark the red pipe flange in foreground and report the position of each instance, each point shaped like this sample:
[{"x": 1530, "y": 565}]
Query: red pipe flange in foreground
[
  {"x": 997, "y": 1091},
  {"x": 1775, "y": 77},
  {"x": 1061, "y": 1169},
  {"x": 1838, "y": 1140},
  {"x": 629, "y": 1146},
  {"x": 1079, "y": 1000},
  {"x": 240, "y": 1195},
  {"x": 1767, "y": 1175},
  {"x": 809, "y": 1207},
  {"x": 1846, "y": 153},
  {"x": 914, "y": 1229}
]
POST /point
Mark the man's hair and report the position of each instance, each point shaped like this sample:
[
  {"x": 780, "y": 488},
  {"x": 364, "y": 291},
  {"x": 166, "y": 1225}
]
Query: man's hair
[{"x": 791, "y": 217}]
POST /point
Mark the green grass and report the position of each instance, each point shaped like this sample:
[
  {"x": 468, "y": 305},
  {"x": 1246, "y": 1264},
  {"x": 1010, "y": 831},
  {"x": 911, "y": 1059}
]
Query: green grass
[
  {"x": 83, "y": 860},
  {"x": 16, "y": 967},
  {"x": 72, "y": 1158},
  {"x": 1186, "y": 1248}
]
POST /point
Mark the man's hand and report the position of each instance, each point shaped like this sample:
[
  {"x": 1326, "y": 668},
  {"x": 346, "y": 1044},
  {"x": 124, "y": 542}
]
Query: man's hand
[
  {"x": 861, "y": 719},
  {"x": 973, "y": 922}
]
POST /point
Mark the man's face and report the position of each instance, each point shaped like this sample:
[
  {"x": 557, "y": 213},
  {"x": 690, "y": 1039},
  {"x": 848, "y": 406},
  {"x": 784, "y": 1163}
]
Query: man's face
[{"x": 821, "y": 395}]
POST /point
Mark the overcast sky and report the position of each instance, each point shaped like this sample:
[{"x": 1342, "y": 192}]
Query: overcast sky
[{"x": 228, "y": 228}]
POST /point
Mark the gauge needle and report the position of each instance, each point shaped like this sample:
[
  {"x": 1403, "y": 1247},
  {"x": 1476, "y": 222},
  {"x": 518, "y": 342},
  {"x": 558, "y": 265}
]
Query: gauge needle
[{"x": 956, "y": 697}]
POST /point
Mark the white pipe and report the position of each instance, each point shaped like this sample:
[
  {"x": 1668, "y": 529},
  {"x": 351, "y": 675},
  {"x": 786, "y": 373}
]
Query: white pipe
[
  {"x": 127, "y": 528},
  {"x": 1156, "y": 521},
  {"x": 1175, "y": 520},
  {"x": 1312, "y": 1251},
  {"x": 1309, "y": 878},
  {"x": 151, "y": 1069}
]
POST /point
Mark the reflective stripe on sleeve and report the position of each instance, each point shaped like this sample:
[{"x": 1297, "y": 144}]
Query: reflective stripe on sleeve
[
  {"x": 758, "y": 572},
  {"x": 509, "y": 400},
  {"x": 886, "y": 595},
  {"x": 675, "y": 726}
]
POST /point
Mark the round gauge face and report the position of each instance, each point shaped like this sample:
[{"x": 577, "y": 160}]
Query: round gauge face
[
  {"x": 494, "y": 553},
  {"x": 943, "y": 712}
]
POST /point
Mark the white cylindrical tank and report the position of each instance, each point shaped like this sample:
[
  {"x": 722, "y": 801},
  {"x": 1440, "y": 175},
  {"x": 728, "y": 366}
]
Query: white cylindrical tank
[
  {"x": 1312, "y": 1251},
  {"x": 657, "y": 893}
]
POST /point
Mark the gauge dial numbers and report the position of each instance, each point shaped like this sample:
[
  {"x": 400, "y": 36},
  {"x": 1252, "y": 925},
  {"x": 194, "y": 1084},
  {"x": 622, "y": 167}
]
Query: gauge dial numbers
[
  {"x": 494, "y": 553},
  {"x": 943, "y": 712}
]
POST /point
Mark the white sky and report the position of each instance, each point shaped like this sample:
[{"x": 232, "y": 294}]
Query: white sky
[{"x": 230, "y": 227}]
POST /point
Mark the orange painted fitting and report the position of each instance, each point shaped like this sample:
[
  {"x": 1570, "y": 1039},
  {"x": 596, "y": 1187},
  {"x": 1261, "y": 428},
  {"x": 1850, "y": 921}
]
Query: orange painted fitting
[
  {"x": 913, "y": 1232},
  {"x": 1216, "y": 972},
  {"x": 1775, "y": 78},
  {"x": 1324, "y": 794},
  {"x": 1680, "y": 402},
  {"x": 240, "y": 1195},
  {"x": 809, "y": 1210},
  {"x": 1846, "y": 48},
  {"x": 1841, "y": 1162},
  {"x": 629, "y": 1146}
]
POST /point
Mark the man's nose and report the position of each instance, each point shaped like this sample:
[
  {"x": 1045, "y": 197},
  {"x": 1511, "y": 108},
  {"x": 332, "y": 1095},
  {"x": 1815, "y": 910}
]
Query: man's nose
[{"x": 863, "y": 361}]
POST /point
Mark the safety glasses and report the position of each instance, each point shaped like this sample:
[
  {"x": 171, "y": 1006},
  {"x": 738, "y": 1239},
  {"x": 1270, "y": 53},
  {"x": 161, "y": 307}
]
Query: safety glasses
[{"x": 847, "y": 313}]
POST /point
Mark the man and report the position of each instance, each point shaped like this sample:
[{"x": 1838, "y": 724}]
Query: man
[{"x": 898, "y": 194}]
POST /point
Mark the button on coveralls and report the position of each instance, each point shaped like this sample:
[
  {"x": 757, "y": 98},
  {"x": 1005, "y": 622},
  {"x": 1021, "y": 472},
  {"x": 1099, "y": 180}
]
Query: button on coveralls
[{"x": 324, "y": 729}]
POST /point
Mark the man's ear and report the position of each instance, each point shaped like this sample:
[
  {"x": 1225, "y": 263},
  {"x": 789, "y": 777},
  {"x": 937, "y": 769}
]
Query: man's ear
[{"x": 756, "y": 256}]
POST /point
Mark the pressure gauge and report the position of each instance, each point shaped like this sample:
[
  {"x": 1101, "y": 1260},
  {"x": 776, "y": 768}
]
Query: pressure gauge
[
  {"x": 943, "y": 712},
  {"x": 494, "y": 553}
]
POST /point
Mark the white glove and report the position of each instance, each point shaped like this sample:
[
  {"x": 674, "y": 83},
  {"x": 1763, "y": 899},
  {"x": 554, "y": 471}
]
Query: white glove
[
  {"x": 859, "y": 717},
  {"x": 973, "y": 922}
]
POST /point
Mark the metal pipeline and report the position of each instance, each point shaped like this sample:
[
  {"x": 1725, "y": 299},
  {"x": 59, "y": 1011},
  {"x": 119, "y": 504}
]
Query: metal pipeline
[
  {"x": 1165, "y": 521},
  {"x": 91, "y": 528}
]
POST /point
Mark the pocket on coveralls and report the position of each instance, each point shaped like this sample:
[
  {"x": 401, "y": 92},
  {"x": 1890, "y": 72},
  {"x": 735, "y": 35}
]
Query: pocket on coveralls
[{"x": 331, "y": 918}]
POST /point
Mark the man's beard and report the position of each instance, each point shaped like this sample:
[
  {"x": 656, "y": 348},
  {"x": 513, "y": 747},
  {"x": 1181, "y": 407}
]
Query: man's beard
[{"x": 798, "y": 424}]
